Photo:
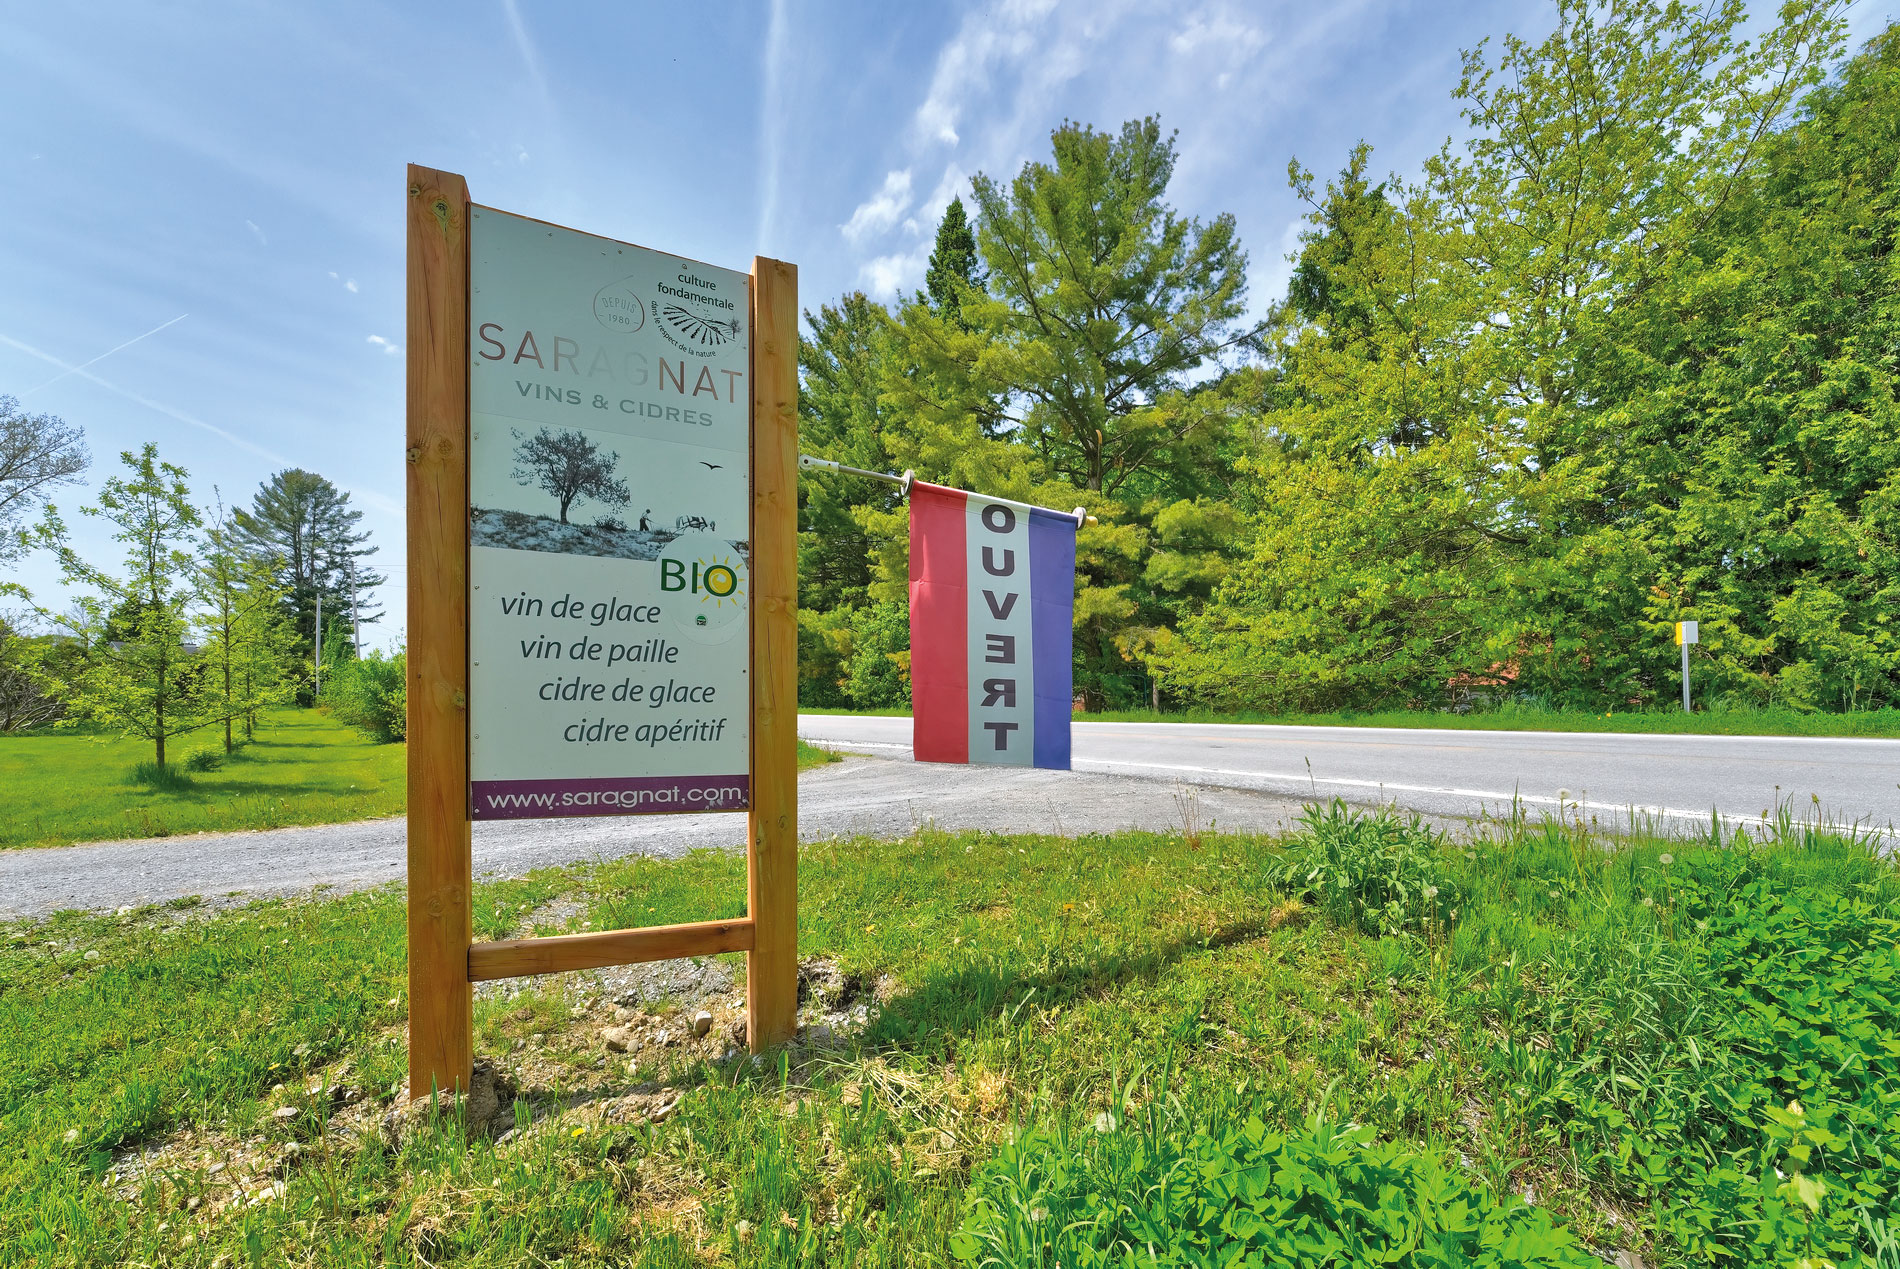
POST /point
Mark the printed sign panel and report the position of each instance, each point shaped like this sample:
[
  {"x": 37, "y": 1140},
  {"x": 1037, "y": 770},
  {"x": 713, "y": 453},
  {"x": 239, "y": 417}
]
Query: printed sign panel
[{"x": 609, "y": 505}]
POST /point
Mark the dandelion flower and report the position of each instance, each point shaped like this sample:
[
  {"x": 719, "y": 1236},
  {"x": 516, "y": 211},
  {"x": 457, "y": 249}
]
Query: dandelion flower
[
  {"x": 1555, "y": 895},
  {"x": 1648, "y": 902},
  {"x": 72, "y": 1135},
  {"x": 1666, "y": 859}
]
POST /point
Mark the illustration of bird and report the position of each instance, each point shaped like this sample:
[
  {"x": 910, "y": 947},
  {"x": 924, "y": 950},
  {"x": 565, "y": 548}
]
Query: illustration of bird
[{"x": 712, "y": 466}]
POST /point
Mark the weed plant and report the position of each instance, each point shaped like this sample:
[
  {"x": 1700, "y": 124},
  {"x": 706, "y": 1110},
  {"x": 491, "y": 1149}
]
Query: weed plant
[{"x": 1125, "y": 1047}]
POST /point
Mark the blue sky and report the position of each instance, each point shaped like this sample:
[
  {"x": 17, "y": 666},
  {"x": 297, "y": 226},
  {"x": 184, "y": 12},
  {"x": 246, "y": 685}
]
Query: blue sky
[{"x": 201, "y": 238}]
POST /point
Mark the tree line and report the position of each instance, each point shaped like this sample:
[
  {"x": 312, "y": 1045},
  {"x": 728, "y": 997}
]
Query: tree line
[
  {"x": 213, "y": 614},
  {"x": 1624, "y": 356}
]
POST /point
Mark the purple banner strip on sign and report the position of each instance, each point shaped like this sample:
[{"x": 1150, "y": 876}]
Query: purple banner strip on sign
[{"x": 609, "y": 795}]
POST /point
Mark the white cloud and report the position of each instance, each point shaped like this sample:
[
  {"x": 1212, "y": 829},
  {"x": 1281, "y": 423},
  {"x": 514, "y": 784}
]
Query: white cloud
[
  {"x": 257, "y": 233},
  {"x": 886, "y": 276},
  {"x": 964, "y": 66},
  {"x": 389, "y": 346},
  {"x": 1220, "y": 31},
  {"x": 771, "y": 128},
  {"x": 524, "y": 46},
  {"x": 1217, "y": 38},
  {"x": 882, "y": 209},
  {"x": 349, "y": 284}
]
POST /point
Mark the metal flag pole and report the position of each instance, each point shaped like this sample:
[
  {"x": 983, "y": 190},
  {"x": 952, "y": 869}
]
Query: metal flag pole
[{"x": 909, "y": 478}]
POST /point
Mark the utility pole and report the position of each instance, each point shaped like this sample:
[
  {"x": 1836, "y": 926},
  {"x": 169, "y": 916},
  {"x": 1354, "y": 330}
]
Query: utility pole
[{"x": 319, "y": 657}]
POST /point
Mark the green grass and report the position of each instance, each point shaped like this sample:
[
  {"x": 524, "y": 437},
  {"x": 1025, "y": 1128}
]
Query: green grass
[
  {"x": 1883, "y": 723},
  {"x": 57, "y": 788},
  {"x": 810, "y": 756},
  {"x": 1686, "y": 1048}
]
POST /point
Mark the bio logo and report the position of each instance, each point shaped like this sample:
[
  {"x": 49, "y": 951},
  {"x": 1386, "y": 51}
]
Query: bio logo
[
  {"x": 703, "y": 579},
  {"x": 718, "y": 580}
]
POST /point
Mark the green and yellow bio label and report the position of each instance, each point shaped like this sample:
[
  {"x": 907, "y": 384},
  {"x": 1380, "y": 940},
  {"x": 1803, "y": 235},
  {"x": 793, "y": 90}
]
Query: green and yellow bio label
[{"x": 703, "y": 580}]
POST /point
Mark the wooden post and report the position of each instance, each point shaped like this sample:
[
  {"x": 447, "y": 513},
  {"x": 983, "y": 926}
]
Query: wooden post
[
  {"x": 772, "y": 824},
  {"x": 441, "y": 1001}
]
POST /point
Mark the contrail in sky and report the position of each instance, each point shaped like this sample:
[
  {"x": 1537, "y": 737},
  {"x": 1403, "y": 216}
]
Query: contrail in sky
[
  {"x": 102, "y": 356},
  {"x": 147, "y": 402}
]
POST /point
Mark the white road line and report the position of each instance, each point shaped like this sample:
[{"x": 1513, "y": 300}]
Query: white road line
[{"x": 1298, "y": 779}]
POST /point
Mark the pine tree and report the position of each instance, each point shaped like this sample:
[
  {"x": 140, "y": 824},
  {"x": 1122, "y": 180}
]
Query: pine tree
[{"x": 303, "y": 529}]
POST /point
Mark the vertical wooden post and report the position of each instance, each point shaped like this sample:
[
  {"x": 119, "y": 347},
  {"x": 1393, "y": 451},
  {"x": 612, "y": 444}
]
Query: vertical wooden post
[
  {"x": 441, "y": 1001},
  {"x": 772, "y": 824}
]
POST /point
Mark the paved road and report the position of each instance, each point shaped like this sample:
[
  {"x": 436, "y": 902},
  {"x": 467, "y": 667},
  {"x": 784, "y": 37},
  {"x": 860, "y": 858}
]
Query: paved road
[
  {"x": 1674, "y": 780},
  {"x": 871, "y": 796}
]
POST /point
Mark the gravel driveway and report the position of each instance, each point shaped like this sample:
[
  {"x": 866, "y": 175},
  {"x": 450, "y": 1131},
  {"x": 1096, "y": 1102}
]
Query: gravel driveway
[{"x": 876, "y": 797}]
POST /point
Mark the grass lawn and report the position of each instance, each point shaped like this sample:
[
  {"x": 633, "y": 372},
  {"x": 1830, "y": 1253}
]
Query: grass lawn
[
  {"x": 1532, "y": 1049},
  {"x": 1722, "y": 722},
  {"x": 57, "y": 788}
]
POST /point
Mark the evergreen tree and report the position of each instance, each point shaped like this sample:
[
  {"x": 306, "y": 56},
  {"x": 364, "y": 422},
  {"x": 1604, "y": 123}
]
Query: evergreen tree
[
  {"x": 1074, "y": 367},
  {"x": 303, "y": 529},
  {"x": 953, "y": 271}
]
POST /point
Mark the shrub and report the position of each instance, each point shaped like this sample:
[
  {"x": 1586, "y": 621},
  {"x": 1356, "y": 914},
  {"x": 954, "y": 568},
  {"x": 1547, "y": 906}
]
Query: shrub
[
  {"x": 1159, "y": 1193},
  {"x": 204, "y": 759},
  {"x": 1379, "y": 873},
  {"x": 878, "y": 672},
  {"x": 372, "y": 693},
  {"x": 165, "y": 779}
]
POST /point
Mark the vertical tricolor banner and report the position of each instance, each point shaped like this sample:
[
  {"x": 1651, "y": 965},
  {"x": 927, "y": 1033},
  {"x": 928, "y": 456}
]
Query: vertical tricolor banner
[{"x": 992, "y": 613}]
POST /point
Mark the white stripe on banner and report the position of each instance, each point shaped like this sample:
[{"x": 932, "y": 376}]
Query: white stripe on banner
[{"x": 1002, "y": 667}]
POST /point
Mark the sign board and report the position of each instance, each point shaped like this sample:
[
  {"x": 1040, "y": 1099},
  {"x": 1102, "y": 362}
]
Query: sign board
[
  {"x": 609, "y": 498},
  {"x": 602, "y": 448},
  {"x": 1686, "y": 633}
]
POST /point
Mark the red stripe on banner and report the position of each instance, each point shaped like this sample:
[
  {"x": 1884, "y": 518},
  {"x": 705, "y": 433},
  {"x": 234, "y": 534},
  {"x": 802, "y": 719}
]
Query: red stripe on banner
[{"x": 939, "y": 626}]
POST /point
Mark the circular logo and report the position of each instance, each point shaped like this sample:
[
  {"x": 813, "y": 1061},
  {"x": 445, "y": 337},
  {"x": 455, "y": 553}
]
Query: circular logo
[
  {"x": 693, "y": 314},
  {"x": 703, "y": 586},
  {"x": 619, "y": 308}
]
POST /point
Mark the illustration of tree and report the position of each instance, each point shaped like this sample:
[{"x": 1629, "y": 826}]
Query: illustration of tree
[{"x": 569, "y": 466}]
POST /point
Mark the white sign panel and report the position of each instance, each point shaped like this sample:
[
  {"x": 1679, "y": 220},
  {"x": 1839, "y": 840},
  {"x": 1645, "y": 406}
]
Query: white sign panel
[{"x": 609, "y": 504}]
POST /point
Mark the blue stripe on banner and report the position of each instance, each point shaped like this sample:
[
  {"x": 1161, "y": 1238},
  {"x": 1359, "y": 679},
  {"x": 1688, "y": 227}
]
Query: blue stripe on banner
[{"x": 1052, "y": 592}]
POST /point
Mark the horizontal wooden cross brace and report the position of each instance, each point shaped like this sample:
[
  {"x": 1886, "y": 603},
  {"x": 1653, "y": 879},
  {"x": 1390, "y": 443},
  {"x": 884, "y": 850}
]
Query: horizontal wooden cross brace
[{"x": 518, "y": 958}]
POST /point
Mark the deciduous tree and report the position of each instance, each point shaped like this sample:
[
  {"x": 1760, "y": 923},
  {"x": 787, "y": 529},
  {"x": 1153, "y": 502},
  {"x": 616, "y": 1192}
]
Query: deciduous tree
[
  {"x": 145, "y": 682},
  {"x": 38, "y": 452}
]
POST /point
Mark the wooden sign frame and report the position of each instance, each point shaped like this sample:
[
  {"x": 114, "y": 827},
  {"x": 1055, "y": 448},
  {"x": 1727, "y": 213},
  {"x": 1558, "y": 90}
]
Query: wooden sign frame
[{"x": 444, "y": 960}]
